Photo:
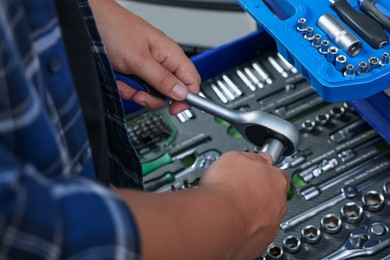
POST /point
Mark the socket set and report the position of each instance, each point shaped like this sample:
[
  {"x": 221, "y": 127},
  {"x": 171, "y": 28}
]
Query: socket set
[
  {"x": 339, "y": 200},
  {"x": 340, "y": 46}
]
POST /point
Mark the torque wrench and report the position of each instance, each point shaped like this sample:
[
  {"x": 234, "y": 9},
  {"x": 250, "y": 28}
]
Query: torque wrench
[
  {"x": 363, "y": 25},
  {"x": 272, "y": 134}
]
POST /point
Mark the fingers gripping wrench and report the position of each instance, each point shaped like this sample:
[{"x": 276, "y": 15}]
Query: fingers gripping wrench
[{"x": 272, "y": 134}]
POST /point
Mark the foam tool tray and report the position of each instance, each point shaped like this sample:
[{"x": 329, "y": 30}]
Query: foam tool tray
[{"x": 341, "y": 62}]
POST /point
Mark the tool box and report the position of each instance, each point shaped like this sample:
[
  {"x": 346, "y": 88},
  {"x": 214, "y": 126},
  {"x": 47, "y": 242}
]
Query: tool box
[
  {"x": 309, "y": 36},
  {"x": 339, "y": 200}
]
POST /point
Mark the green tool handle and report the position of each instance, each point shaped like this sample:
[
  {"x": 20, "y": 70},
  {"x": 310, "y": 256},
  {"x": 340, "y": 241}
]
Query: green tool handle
[
  {"x": 148, "y": 167},
  {"x": 159, "y": 182}
]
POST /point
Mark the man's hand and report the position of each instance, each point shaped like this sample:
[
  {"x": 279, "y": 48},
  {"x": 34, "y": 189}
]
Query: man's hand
[
  {"x": 135, "y": 47},
  {"x": 234, "y": 213}
]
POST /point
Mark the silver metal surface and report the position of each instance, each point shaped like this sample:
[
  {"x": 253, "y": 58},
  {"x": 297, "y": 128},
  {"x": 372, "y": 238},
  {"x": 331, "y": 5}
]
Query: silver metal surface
[
  {"x": 324, "y": 47},
  {"x": 292, "y": 244},
  {"x": 337, "y": 32},
  {"x": 363, "y": 242},
  {"x": 277, "y": 67},
  {"x": 341, "y": 63},
  {"x": 257, "y": 127},
  {"x": 331, "y": 54},
  {"x": 349, "y": 70},
  {"x": 301, "y": 27}
]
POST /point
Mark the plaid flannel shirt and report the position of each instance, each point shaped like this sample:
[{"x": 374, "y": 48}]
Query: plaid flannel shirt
[{"x": 50, "y": 205}]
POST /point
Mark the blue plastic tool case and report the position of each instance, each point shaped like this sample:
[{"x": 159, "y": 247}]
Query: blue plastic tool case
[
  {"x": 375, "y": 109},
  {"x": 280, "y": 19},
  {"x": 365, "y": 92}
]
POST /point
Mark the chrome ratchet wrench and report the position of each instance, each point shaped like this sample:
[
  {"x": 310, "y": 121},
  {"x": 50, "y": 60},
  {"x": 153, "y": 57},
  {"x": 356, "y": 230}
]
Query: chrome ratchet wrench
[
  {"x": 363, "y": 241},
  {"x": 272, "y": 134}
]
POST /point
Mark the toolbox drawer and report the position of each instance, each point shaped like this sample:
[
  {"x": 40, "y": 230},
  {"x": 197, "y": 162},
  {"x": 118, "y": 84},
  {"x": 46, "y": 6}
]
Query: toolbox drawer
[{"x": 340, "y": 174}]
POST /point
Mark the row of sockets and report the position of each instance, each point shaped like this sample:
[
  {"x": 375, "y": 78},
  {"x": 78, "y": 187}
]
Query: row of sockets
[
  {"x": 351, "y": 212},
  {"x": 332, "y": 55},
  {"x": 254, "y": 77}
]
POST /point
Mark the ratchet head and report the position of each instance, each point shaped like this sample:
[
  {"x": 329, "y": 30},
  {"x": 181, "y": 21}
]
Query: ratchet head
[{"x": 273, "y": 134}]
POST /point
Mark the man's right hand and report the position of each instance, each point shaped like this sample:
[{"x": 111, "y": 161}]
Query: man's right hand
[
  {"x": 256, "y": 191},
  {"x": 234, "y": 213}
]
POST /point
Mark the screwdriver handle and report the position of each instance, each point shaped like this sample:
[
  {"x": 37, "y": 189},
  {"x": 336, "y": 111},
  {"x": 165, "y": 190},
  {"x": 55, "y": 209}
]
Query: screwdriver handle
[
  {"x": 149, "y": 166},
  {"x": 159, "y": 182},
  {"x": 139, "y": 84},
  {"x": 377, "y": 11},
  {"x": 366, "y": 27}
]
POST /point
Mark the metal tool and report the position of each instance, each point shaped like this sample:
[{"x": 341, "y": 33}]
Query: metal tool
[
  {"x": 292, "y": 244},
  {"x": 310, "y": 234},
  {"x": 202, "y": 161},
  {"x": 377, "y": 11},
  {"x": 364, "y": 26},
  {"x": 274, "y": 135},
  {"x": 337, "y": 32},
  {"x": 247, "y": 82},
  {"x": 373, "y": 164},
  {"x": 348, "y": 191},
  {"x": 166, "y": 158},
  {"x": 288, "y": 66},
  {"x": 363, "y": 241},
  {"x": 277, "y": 67},
  {"x": 274, "y": 252},
  {"x": 331, "y": 223}
]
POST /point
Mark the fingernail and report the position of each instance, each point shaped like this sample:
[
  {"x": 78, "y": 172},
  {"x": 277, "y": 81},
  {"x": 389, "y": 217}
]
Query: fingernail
[
  {"x": 180, "y": 92},
  {"x": 267, "y": 157}
]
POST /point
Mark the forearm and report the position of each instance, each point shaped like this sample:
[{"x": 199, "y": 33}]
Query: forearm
[{"x": 197, "y": 224}]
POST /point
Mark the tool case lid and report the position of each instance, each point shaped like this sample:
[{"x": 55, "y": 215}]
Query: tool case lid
[{"x": 280, "y": 19}]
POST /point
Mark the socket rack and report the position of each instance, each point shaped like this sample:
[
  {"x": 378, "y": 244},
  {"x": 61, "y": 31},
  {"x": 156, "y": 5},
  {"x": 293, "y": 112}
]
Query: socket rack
[
  {"x": 340, "y": 189},
  {"x": 321, "y": 39}
]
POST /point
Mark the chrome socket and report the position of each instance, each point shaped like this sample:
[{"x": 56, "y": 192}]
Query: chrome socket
[
  {"x": 331, "y": 224},
  {"x": 301, "y": 25},
  {"x": 337, "y": 112},
  {"x": 373, "y": 201},
  {"x": 337, "y": 32},
  {"x": 311, "y": 234},
  {"x": 351, "y": 212},
  {"x": 292, "y": 244},
  {"x": 308, "y": 125},
  {"x": 362, "y": 68},
  {"x": 349, "y": 70},
  {"x": 385, "y": 58},
  {"x": 316, "y": 42},
  {"x": 309, "y": 33},
  {"x": 332, "y": 53},
  {"x": 373, "y": 63},
  {"x": 274, "y": 252},
  {"x": 340, "y": 63},
  {"x": 324, "y": 47},
  {"x": 322, "y": 119}
]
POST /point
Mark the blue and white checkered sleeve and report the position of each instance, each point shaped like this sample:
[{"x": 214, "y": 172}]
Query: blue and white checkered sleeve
[{"x": 69, "y": 217}]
